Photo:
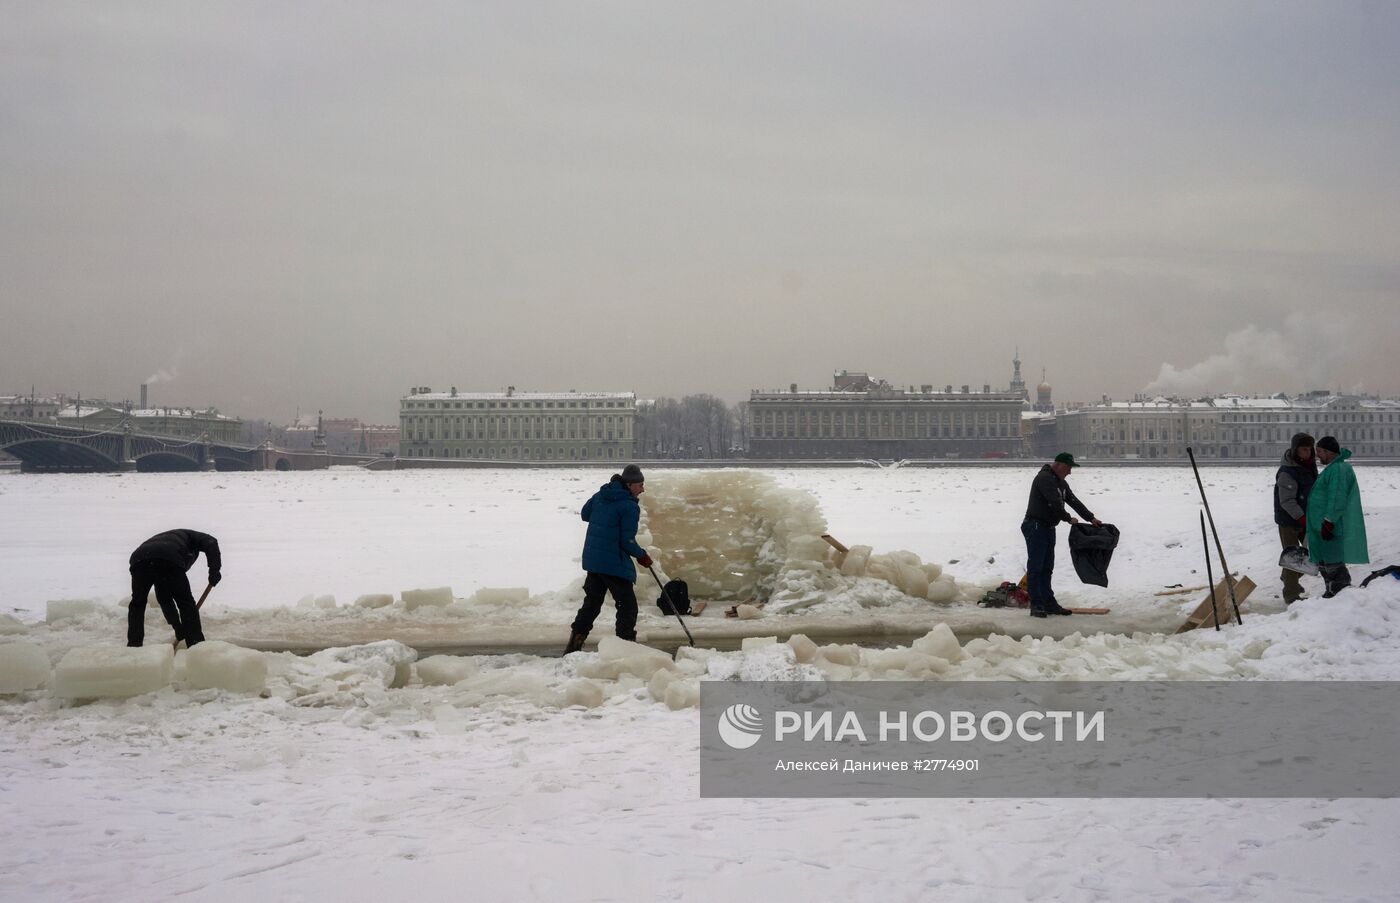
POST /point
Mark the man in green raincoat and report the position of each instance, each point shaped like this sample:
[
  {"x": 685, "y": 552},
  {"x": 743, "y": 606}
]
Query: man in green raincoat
[{"x": 1336, "y": 531}]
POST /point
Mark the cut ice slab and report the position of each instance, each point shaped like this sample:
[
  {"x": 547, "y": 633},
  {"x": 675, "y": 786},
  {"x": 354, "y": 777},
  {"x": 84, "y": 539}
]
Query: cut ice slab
[
  {"x": 94, "y": 672},
  {"x": 1296, "y": 559},
  {"x": 60, "y": 609},
  {"x": 417, "y": 598},
  {"x": 23, "y": 666},
  {"x": 388, "y": 660},
  {"x": 214, "y": 664}
]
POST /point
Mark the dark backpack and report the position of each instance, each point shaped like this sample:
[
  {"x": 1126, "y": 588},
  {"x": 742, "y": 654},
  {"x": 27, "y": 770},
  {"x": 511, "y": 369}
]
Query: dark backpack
[{"x": 678, "y": 593}]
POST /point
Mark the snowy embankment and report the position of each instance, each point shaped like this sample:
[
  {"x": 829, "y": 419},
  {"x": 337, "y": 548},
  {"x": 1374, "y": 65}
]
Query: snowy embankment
[{"x": 352, "y": 773}]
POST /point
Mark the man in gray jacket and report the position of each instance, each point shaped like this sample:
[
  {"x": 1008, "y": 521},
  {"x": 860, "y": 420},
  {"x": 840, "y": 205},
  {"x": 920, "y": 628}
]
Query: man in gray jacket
[
  {"x": 1045, "y": 510},
  {"x": 1292, "y": 484}
]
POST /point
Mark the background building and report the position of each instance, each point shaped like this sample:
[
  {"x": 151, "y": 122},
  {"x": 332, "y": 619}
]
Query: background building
[
  {"x": 341, "y": 436},
  {"x": 1229, "y": 426},
  {"x": 30, "y": 407},
  {"x": 863, "y": 418},
  {"x": 1157, "y": 429},
  {"x": 517, "y": 426},
  {"x": 183, "y": 422}
]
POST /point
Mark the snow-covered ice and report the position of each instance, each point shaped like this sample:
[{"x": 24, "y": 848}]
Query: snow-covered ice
[{"x": 359, "y": 771}]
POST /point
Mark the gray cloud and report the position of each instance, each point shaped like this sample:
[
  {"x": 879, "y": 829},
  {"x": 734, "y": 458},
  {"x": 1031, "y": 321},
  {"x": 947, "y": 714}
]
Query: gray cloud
[{"x": 324, "y": 204}]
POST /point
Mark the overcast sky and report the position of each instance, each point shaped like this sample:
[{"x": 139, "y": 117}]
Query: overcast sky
[{"x": 273, "y": 206}]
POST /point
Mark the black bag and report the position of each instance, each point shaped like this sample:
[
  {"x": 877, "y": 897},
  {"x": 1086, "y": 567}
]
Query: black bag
[
  {"x": 1091, "y": 549},
  {"x": 679, "y": 595}
]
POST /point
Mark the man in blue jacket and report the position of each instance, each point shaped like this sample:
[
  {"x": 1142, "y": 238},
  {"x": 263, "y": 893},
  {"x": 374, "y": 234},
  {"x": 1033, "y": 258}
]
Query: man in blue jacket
[{"x": 608, "y": 549}]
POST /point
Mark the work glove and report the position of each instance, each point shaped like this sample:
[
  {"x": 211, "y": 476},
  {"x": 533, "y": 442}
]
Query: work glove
[
  {"x": 645, "y": 560},
  {"x": 214, "y": 578},
  {"x": 1329, "y": 531}
]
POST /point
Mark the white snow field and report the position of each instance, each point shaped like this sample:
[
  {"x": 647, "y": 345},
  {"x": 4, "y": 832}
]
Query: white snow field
[{"x": 363, "y": 774}]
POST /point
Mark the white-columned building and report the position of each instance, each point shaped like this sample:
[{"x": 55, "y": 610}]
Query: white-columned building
[
  {"x": 1228, "y": 427},
  {"x": 863, "y": 418},
  {"x": 517, "y": 426}
]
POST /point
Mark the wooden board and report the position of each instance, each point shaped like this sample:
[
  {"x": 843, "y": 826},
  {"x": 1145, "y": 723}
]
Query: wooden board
[
  {"x": 1183, "y": 590},
  {"x": 840, "y": 557},
  {"x": 1204, "y": 615},
  {"x": 1090, "y": 611}
]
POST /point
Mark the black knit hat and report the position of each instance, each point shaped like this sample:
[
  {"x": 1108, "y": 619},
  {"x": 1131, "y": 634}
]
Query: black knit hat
[
  {"x": 1329, "y": 443},
  {"x": 632, "y": 474}
]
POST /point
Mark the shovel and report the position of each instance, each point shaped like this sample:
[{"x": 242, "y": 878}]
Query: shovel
[
  {"x": 197, "y": 606},
  {"x": 1296, "y": 559}
]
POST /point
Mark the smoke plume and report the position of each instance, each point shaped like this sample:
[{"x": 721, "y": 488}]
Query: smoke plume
[{"x": 1304, "y": 354}]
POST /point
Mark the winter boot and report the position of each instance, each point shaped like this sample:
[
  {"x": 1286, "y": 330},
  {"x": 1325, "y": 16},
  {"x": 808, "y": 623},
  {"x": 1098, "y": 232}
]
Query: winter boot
[
  {"x": 576, "y": 641},
  {"x": 1335, "y": 577}
]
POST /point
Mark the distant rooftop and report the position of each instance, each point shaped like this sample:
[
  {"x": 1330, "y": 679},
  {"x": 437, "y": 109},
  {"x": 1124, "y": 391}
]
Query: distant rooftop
[
  {"x": 90, "y": 408},
  {"x": 1232, "y": 402},
  {"x": 514, "y": 396}
]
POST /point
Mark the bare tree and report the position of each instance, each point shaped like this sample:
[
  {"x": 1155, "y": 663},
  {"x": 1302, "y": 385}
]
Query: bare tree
[
  {"x": 741, "y": 421},
  {"x": 696, "y": 426}
]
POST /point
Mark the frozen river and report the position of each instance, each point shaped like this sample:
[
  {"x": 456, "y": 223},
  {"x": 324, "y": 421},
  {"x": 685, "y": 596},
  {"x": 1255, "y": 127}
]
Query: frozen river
[
  {"x": 332, "y": 786},
  {"x": 347, "y": 532}
]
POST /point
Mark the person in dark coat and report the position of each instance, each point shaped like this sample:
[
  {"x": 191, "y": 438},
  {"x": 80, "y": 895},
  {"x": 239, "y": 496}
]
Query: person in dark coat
[
  {"x": 1045, "y": 510},
  {"x": 1295, "y": 478},
  {"x": 608, "y": 549},
  {"x": 161, "y": 562}
]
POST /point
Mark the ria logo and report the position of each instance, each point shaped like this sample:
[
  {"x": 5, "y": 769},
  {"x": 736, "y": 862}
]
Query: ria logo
[{"x": 740, "y": 726}]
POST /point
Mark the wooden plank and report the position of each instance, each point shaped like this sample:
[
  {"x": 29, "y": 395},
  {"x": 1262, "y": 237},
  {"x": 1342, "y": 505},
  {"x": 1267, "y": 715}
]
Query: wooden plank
[
  {"x": 1204, "y": 615},
  {"x": 1090, "y": 611},
  {"x": 840, "y": 557},
  {"x": 1181, "y": 591}
]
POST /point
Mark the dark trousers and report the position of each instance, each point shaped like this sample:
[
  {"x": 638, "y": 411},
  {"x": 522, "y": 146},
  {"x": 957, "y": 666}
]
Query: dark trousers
[
  {"x": 1040, "y": 563},
  {"x": 595, "y": 585},
  {"x": 1335, "y": 577},
  {"x": 1291, "y": 537},
  {"x": 172, "y": 592}
]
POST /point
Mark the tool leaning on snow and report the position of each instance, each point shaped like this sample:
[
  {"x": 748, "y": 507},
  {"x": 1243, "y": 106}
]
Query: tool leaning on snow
[{"x": 1208, "y": 610}]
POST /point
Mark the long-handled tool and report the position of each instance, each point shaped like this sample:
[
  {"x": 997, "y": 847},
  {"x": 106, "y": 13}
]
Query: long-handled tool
[
  {"x": 1225, "y": 568},
  {"x": 671, "y": 605},
  {"x": 1210, "y": 576},
  {"x": 197, "y": 606}
]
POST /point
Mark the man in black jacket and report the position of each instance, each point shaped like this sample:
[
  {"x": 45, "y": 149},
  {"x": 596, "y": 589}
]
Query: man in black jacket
[
  {"x": 161, "y": 562},
  {"x": 1294, "y": 480},
  {"x": 1049, "y": 495}
]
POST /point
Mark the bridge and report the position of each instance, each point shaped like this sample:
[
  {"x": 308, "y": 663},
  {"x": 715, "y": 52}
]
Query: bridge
[{"x": 48, "y": 447}]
